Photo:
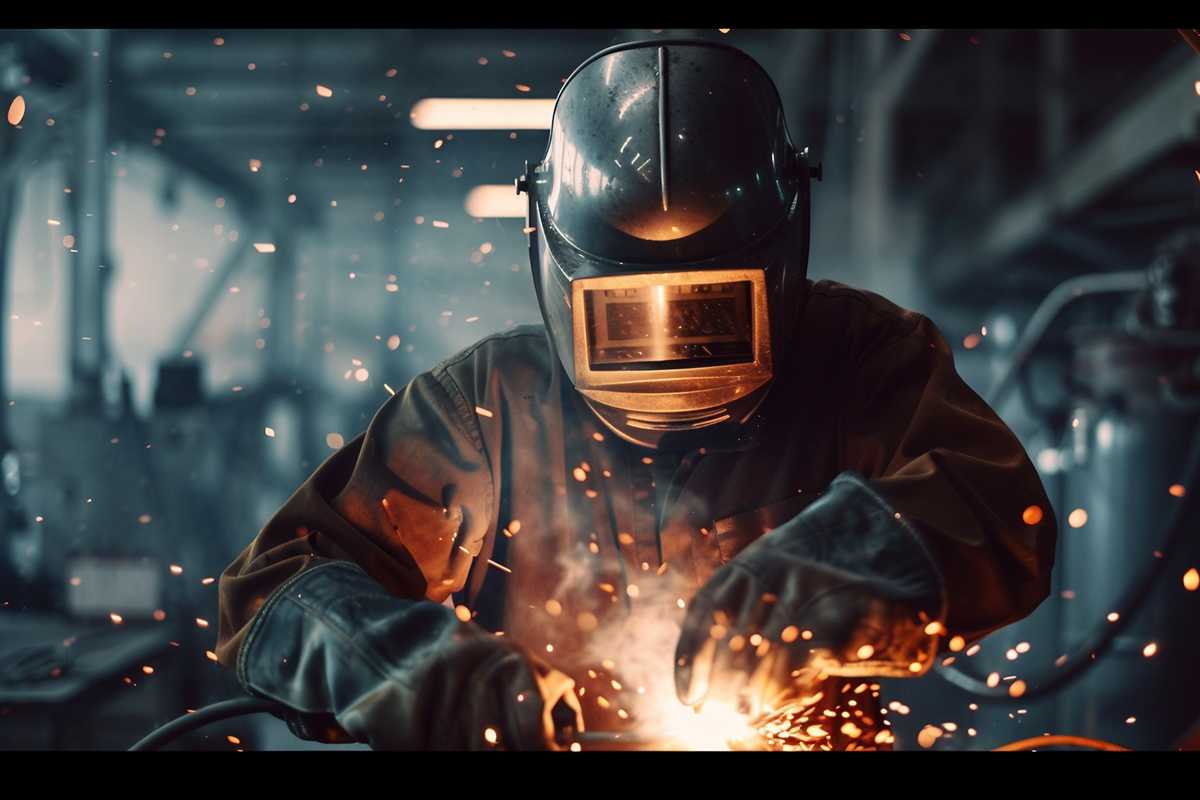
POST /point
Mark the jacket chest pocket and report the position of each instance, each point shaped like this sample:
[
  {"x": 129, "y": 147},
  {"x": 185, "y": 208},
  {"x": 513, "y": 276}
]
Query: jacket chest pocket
[{"x": 735, "y": 532}]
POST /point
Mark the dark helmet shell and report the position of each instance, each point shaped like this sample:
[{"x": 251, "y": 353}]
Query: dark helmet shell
[{"x": 662, "y": 153}]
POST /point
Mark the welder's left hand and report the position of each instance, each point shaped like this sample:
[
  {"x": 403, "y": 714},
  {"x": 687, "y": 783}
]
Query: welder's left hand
[{"x": 844, "y": 588}]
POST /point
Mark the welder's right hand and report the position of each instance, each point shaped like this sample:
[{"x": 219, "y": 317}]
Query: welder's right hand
[
  {"x": 847, "y": 587},
  {"x": 333, "y": 644}
]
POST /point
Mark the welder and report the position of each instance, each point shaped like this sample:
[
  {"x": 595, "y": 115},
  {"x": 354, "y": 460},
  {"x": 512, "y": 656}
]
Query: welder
[{"x": 793, "y": 467}]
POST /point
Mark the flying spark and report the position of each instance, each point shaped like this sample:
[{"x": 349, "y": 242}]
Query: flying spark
[
  {"x": 1191, "y": 579},
  {"x": 16, "y": 110}
]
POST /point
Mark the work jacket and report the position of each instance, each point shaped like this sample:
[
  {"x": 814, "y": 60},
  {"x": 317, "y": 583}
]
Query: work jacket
[{"x": 486, "y": 483}]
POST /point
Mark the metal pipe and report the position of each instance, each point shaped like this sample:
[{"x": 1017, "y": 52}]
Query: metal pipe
[
  {"x": 1053, "y": 99},
  {"x": 281, "y": 291},
  {"x": 1062, "y": 295},
  {"x": 872, "y": 192},
  {"x": 197, "y": 719},
  {"x": 88, "y": 346},
  {"x": 12, "y": 515},
  {"x": 9, "y": 199}
]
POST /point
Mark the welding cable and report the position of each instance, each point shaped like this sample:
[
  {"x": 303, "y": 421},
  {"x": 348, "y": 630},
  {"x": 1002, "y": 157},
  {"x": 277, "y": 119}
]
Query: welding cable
[
  {"x": 1105, "y": 632},
  {"x": 212, "y": 713}
]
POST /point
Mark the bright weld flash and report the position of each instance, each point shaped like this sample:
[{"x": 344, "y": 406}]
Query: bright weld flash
[{"x": 712, "y": 726}]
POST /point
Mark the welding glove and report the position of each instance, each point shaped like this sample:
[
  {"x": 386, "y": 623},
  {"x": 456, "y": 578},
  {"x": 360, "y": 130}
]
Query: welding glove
[
  {"x": 336, "y": 647},
  {"x": 846, "y": 587}
]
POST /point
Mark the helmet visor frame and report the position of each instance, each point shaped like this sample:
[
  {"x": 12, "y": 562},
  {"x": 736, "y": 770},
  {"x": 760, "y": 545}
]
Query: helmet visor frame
[{"x": 609, "y": 312}]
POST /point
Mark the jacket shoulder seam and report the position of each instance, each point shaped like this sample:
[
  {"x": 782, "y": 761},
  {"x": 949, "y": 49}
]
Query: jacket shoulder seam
[
  {"x": 857, "y": 296},
  {"x": 470, "y": 351}
]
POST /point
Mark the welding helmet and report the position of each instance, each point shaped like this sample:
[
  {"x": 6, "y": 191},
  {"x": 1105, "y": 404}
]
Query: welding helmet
[{"x": 668, "y": 234}]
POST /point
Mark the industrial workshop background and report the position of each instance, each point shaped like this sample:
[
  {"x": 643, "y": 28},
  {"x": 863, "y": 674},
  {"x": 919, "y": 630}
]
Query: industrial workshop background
[{"x": 220, "y": 251}]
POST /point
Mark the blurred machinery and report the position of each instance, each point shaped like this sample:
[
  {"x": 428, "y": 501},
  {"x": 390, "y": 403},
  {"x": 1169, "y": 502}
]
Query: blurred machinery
[
  {"x": 110, "y": 586},
  {"x": 1135, "y": 419},
  {"x": 1111, "y": 654}
]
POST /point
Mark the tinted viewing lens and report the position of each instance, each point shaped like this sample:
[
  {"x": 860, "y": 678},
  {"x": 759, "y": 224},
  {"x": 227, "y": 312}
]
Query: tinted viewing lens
[{"x": 669, "y": 326}]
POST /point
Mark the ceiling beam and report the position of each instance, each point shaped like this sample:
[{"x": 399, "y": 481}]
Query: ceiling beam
[{"x": 1158, "y": 120}]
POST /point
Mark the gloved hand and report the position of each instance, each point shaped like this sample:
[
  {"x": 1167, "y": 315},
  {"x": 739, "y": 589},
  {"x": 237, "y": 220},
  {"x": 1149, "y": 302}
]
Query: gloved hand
[
  {"x": 846, "y": 587},
  {"x": 333, "y": 644}
]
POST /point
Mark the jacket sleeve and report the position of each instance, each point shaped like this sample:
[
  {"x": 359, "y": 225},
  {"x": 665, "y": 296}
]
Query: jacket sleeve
[
  {"x": 410, "y": 501},
  {"x": 942, "y": 458}
]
